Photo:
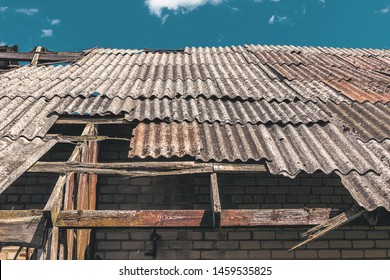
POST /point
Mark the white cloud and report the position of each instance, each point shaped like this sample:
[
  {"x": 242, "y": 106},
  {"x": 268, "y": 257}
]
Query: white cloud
[
  {"x": 322, "y": 1},
  {"x": 276, "y": 19},
  {"x": 55, "y": 21},
  {"x": 2, "y": 43},
  {"x": 47, "y": 33},
  {"x": 275, "y": 0},
  {"x": 385, "y": 10},
  {"x": 164, "y": 18},
  {"x": 271, "y": 19},
  {"x": 156, "y": 7},
  {"x": 3, "y": 9},
  {"x": 29, "y": 12}
]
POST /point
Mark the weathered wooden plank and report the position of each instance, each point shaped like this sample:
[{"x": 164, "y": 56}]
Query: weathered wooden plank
[
  {"x": 22, "y": 227},
  {"x": 60, "y": 138},
  {"x": 34, "y": 60},
  {"x": 54, "y": 204},
  {"x": 276, "y": 217},
  {"x": 238, "y": 168},
  {"x": 215, "y": 200},
  {"x": 53, "y": 245},
  {"x": 331, "y": 224},
  {"x": 142, "y": 169},
  {"x": 134, "y": 218},
  {"x": 81, "y": 121},
  {"x": 82, "y": 199},
  {"x": 69, "y": 205},
  {"x": 44, "y": 57},
  {"x": 103, "y": 168},
  {"x": 194, "y": 218}
]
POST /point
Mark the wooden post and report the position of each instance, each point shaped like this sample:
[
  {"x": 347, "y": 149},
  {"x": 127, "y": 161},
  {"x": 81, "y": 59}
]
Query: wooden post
[
  {"x": 86, "y": 192},
  {"x": 215, "y": 200}
]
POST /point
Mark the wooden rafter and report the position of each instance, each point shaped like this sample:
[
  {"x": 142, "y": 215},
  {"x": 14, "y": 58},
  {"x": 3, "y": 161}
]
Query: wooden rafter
[{"x": 330, "y": 225}]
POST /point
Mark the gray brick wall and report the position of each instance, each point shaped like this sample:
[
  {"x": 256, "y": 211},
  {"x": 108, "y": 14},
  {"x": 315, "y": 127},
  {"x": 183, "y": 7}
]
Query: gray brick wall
[
  {"x": 248, "y": 191},
  {"x": 266, "y": 243}
]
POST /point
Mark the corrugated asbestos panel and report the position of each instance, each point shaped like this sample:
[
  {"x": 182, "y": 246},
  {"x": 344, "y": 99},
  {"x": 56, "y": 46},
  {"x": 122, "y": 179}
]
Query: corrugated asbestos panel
[
  {"x": 232, "y": 72},
  {"x": 288, "y": 150},
  {"x": 257, "y": 87},
  {"x": 357, "y": 94},
  {"x": 245, "y": 82},
  {"x": 313, "y": 90},
  {"x": 27, "y": 118},
  {"x": 321, "y": 50},
  {"x": 199, "y": 109},
  {"x": 226, "y": 112},
  {"x": 372, "y": 190},
  {"x": 369, "y": 190},
  {"x": 18, "y": 156},
  {"x": 365, "y": 121}
]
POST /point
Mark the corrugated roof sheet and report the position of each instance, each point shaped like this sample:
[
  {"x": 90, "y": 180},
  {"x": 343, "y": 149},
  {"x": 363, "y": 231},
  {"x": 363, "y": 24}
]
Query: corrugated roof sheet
[
  {"x": 372, "y": 190},
  {"x": 361, "y": 121},
  {"x": 18, "y": 156},
  {"x": 288, "y": 150},
  {"x": 27, "y": 118},
  {"x": 199, "y": 109},
  {"x": 218, "y": 72}
]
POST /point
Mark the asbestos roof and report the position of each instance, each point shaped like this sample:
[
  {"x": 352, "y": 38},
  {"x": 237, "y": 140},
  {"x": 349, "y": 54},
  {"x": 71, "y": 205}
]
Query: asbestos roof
[{"x": 297, "y": 109}]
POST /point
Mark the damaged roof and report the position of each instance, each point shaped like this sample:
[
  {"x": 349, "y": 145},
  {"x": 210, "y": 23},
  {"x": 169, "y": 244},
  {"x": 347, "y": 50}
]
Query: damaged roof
[{"x": 296, "y": 109}]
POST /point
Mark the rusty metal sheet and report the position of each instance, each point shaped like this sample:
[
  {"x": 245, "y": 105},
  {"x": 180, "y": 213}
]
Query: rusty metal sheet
[
  {"x": 18, "y": 156},
  {"x": 288, "y": 150}
]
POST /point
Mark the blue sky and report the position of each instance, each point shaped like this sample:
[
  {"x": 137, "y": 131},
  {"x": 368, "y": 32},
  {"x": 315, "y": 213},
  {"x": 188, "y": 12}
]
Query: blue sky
[{"x": 171, "y": 24}]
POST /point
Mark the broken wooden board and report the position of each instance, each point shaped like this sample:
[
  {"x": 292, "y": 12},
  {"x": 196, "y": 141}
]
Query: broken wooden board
[{"x": 22, "y": 227}]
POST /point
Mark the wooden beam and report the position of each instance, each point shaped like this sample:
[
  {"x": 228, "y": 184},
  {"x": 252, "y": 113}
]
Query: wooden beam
[
  {"x": 85, "y": 121},
  {"x": 35, "y": 58},
  {"x": 276, "y": 217},
  {"x": 44, "y": 56},
  {"x": 332, "y": 224},
  {"x": 143, "y": 169},
  {"x": 60, "y": 138},
  {"x": 237, "y": 168},
  {"x": 215, "y": 200},
  {"x": 54, "y": 204},
  {"x": 86, "y": 194},
  {"x": 22, "y": 227},
  {"x": 193, "y": 218},
  {"x": 134, "y": 218},
  {"x": 103, "y": 168}
]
